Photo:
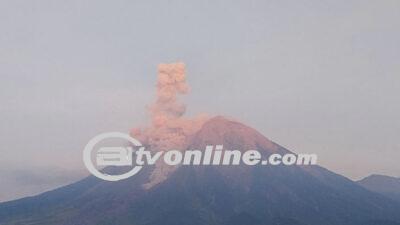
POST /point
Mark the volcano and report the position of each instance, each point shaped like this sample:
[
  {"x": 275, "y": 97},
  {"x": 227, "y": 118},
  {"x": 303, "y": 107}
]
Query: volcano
[{"x": 212, "y": 195}]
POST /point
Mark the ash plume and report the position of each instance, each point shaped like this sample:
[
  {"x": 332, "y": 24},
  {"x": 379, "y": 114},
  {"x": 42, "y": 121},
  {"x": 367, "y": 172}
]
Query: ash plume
[{"x": 169, "y": 128}]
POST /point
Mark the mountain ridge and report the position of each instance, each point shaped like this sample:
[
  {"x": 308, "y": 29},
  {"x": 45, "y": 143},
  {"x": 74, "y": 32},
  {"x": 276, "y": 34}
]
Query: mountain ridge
[
  {"x": 382, "y": 184},
  {"x": 212, "y": 195}
]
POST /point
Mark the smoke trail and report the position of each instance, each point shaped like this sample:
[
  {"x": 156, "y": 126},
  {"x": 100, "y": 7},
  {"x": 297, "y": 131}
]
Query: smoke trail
[{"x": 169, "y": 128}]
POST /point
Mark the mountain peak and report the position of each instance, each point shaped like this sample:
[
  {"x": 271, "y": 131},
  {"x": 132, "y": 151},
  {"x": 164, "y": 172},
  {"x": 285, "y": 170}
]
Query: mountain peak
[
  {"x": 379, "y": 178},
  {"x": 381, "y": 183},
  {"x": 386, "y": 185},
  {"x": 233, "y": 135},
  {"x": 210, "y": 194}
]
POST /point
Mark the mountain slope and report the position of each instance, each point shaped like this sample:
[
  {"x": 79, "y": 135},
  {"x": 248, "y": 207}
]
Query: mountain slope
[
  {"x": 385, "y": 185},
  {"x": 213, "y": 195}
]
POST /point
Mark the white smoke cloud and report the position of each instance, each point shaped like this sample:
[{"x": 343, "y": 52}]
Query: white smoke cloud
[{"x": 169, "y": 128}]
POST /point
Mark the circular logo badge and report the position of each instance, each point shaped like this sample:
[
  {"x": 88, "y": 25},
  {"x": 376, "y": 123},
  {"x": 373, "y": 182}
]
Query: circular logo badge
[{"x": 111, "y": 156}]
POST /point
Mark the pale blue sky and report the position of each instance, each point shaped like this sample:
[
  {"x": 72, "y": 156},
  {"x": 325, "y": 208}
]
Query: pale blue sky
[{"x": 314, "y": 76}]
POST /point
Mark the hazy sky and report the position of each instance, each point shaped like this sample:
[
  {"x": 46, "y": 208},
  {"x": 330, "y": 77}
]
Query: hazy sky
[{"x": 314, "y": 76}]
